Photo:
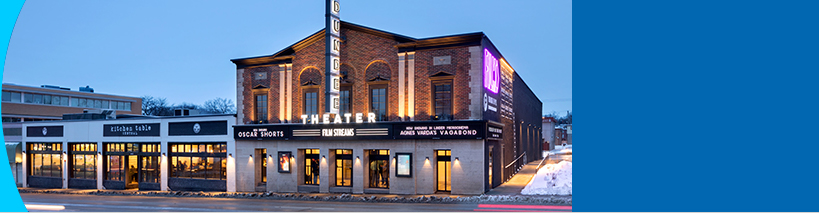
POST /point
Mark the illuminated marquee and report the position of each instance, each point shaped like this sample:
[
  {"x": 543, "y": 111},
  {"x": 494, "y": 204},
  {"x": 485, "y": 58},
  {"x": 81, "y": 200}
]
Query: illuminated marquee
[
  {"x": 491, "y": 72},
  {"x": 364, "y": 131}
]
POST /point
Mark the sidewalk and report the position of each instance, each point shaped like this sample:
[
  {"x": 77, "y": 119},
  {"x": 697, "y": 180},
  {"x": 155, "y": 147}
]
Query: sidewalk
[
  {"x": 516, "y": 184},
  {"x": 377, "y": 198}
]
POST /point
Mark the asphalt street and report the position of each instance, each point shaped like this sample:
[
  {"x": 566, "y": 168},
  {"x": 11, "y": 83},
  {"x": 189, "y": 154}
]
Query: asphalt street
[{"x": 99, "y": 203}]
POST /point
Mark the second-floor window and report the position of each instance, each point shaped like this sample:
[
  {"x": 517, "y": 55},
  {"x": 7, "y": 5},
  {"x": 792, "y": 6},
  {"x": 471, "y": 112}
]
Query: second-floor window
[
  {"x": 378, "y": 101},
  {"x": 261, "y": 107},
  {"x": 442, "y": 92},
  {"x": 310, "y": 102},
  {"x": 345, "y": 105},
  {"x": 12, "y": 96}
]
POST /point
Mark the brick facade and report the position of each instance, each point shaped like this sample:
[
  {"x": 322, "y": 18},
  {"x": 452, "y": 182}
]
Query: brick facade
[
  {"x": 364, "y": 57},
  {"x": 459, "y": 67}
]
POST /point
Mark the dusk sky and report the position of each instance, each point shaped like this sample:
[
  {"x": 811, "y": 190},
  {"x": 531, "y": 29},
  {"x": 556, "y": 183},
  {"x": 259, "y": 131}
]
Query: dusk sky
[{"x": 181, "y": 49}]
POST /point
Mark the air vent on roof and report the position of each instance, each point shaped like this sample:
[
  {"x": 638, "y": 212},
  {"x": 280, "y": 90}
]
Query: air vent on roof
[
  {"x": 86, "y": 89},
  {"x": 185, "y": 112}
]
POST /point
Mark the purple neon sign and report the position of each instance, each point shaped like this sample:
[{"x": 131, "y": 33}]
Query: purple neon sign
[{"x": 491, "y": 72}]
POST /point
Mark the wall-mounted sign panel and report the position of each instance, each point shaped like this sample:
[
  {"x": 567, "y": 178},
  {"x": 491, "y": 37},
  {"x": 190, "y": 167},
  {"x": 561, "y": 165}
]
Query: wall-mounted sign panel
[
  {"x": 284, "y": 161},
  {"x": 44, "y": 131},
  {"x": 403, "y": 166},
  {"x": 133, "y": 130},
  {"x": 494, "y": 132},
  {"x": 198, "y": 128}
]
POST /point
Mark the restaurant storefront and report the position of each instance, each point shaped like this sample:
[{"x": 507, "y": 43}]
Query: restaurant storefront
[{"x": 145, "y": 153}]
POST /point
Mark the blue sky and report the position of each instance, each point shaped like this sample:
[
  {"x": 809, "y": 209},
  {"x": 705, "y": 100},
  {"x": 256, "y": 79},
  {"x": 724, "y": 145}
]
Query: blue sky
[{"x": 181, "y": 49}]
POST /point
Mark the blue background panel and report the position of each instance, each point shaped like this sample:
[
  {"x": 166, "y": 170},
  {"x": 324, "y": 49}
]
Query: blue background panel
[
  {"x": 696, "y": 105},
  {"x": 9, "y": 9}
]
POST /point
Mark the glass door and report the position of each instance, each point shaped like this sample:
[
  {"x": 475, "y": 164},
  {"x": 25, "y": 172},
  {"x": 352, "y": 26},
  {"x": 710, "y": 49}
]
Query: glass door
[
  {"x": 443, "y": 173},
  {"x": 379, "y": 168},
  {"x": 131, "y": 172},
  {"x": 311, "y": 167}
]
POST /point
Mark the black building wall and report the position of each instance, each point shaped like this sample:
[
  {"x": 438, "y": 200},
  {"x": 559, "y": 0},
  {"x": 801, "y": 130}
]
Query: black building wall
[{"x": 527, "y": 108}]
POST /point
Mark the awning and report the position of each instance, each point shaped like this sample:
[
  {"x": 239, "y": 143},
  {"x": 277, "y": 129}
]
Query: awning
[{"x": 12, "y": 150}]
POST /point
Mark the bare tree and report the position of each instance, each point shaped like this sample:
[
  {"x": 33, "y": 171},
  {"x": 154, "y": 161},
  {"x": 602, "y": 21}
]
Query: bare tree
[
  {"x": 184, "y": 105},
  {"x": 566, "y": 119},
  {"x": 155, "y": 106},
  {"x": 219, "y": 106}
]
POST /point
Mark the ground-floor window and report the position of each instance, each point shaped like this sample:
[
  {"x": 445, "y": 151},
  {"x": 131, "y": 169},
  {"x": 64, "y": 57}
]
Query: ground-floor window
[
  {"x": 443, "y": 173},
  {"x": 114, "y": 169},
  {"x": 379, "y": 168},
  {"x": 149, "y": 162},
  {"x": 344, "y": 167},
  {"x": 311, "y": 166},
  {"x": 46, "y": 160},
  {"x": 199, "y": 161},
  {"x": 83, "y": 160}
]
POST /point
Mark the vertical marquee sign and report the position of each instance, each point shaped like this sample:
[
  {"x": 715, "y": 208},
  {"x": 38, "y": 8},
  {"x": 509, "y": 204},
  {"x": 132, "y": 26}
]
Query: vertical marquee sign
[
  {"x": 332, "y": 57},
  {"x": 491, "y": 85}
]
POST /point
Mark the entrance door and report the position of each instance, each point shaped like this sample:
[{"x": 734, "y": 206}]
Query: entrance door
[
  {"x": 443, "y": 170},
  {"x": 311, "y": 167},
  {"x": 491, "y": 149},
  {"x": 131, "y": 172},
  {"x": 379, "y": 166},
  {"x": 261, "y": 169}
]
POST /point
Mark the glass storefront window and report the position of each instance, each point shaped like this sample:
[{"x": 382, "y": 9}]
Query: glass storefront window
[
  {"x": 115, "y": 169},
  {"x": 83, "y": 161},
  {"x": 46, "y": 159},
  {"x": 199, "y": 161}
]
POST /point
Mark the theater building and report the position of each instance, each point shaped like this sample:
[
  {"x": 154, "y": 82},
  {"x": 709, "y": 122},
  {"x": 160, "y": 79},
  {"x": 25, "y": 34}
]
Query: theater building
[
  {"x": 146, "y": 153},
  {"x": 390, "y": 114}
]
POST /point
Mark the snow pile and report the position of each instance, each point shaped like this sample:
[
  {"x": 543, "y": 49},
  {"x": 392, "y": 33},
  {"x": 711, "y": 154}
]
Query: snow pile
[{"x": 555, "y": 179}]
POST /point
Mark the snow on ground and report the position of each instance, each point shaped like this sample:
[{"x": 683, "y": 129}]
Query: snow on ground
[{"x": 553, "y": 179}]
